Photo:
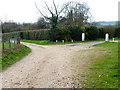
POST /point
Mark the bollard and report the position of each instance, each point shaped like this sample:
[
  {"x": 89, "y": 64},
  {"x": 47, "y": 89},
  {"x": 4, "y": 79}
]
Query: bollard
[
  {"x": 72, "y": 41},
  {"x": 63, "y": 41},
  {"x": 83, "y": 36},
  {"x": 113, "y": 39},
  {"x": 56, "y": 41},
  {"x": 107, "y": 37}
]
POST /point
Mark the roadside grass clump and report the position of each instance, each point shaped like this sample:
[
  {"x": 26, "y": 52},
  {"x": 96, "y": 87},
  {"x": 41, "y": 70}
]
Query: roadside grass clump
[
  {"x": 102, "y": 72},
  {"x": 12, "y": 55}
]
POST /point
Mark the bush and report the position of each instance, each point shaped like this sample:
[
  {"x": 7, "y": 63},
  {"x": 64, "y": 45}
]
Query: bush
[
  {"x": 91, "y": 32},
  {"x": 117, "y": 32},
  {"x": 76, "y": 32},
  {"x": 110, "y": 30},
  {"x": 55, "y": 34},
  {"x": 65, "y": 34},
  {"x": 101, "y": 33}
]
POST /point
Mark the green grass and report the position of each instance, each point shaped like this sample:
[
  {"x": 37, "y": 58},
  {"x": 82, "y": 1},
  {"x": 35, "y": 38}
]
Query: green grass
[
  {"x": 12, "y": 55},
  {"x": 7, "y": 45},
  {"x": 114, "y": 38},
  {"x": 47, "y": 42},
  {"x": 103, "y": 71}
]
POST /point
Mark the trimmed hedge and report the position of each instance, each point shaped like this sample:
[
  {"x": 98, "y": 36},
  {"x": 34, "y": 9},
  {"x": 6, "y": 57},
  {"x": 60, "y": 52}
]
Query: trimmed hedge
[
  {"x": 91, "y": 32},
  {"x": 68, "y": 33},
  {"x": 33, "y": 35},
  {"x": 76, "y": 32},
  {"x": 117, "y": 32}
]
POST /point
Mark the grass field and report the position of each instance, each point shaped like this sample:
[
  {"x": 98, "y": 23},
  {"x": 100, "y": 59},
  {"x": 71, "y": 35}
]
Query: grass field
[
  {"x": 14, "y": 54},
  {"x": 102, "y": 72}
]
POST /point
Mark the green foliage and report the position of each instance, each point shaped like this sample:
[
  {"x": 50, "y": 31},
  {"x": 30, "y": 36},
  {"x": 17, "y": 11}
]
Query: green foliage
[
  {"x": 76, "y": 32},
  {"x": 47, "y": 42},
  {"x": 117, "y": 32},
  {"x": 42, "y": 42},
  {"x": 101, "y": 33},
  {"x": 67, "y": 34},
  {"x": 55, "y": 34},
  {"x": 110, "y": 30},
  {"x": 14, "y": 54},
  {"x": 91, "y": 32}
]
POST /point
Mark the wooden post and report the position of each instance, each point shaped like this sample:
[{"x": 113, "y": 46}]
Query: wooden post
[
  {"x": 18, "y": 40},
  {"x": 9, "y": 43}
]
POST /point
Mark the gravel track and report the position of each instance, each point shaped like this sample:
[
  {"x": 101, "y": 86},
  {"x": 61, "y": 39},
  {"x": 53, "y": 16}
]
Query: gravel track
[{"x": 47, "y": 66}]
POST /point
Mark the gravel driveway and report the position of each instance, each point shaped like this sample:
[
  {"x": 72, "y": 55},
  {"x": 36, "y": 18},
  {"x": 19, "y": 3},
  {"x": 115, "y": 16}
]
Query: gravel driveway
[{"x": 47, "y": 66}]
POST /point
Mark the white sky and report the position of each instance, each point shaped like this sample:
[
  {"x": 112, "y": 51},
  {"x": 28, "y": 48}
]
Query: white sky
[{"x": 25, "y": 10}]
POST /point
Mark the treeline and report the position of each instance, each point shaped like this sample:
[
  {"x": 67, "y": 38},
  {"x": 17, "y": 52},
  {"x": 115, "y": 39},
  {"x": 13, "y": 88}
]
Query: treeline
[
  {"x": 8, "y": 27},
  {"x": 70, "y": 33}
]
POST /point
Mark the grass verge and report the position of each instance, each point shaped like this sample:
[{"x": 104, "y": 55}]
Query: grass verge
[
  {"x": 47, "y": 42},
  {"x": 102, "y": 71},
  {"x": 14, "y": 54}
]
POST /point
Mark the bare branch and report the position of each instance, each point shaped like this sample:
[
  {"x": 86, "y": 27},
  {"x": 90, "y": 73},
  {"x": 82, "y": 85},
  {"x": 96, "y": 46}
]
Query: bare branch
[
  {"x": 48, "y": 8},
  {"x": 40, "y": 11},
  {"x": 55, "y": 7},
  {"x": 62, "y": 9}
]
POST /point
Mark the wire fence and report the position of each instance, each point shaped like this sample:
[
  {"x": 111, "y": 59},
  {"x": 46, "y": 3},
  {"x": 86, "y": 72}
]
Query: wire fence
[{"x": 9, "y": 41}]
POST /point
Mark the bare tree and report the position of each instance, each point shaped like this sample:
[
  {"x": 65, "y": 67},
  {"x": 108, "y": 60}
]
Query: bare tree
[
  {"x": 42, "y": 24},
  {"x": 54, "y": 15},
  {"x": 76, "y": 13}
]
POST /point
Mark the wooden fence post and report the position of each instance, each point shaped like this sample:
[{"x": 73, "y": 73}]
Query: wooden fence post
[
  {"x": 3, "y": 47},
  {"x": 9, "y": 43}
]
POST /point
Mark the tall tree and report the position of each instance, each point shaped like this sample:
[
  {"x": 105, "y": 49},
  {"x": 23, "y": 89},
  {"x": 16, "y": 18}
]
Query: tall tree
[
  {"x": 76, "y": 13},
  {"x": 41, "y": 23},
  {"x": 54, "y": 14}
]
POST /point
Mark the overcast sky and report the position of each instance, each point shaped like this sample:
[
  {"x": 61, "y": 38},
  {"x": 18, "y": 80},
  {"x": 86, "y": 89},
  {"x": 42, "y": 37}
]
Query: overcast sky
[{"x": 25, "y": 10}]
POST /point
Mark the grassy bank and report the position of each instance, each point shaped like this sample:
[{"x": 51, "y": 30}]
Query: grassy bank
[
  {"x": 14, "y": 54},
  {"x": 102, "y": 71},
  {"x": 47, "y": 42}
]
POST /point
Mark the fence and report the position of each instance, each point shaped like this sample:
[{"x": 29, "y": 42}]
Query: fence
[{"x": 9, "y": 40}]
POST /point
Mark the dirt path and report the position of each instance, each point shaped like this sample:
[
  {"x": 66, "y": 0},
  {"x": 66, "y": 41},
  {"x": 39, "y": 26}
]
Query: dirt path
[{"x": 45, "y": 67}]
